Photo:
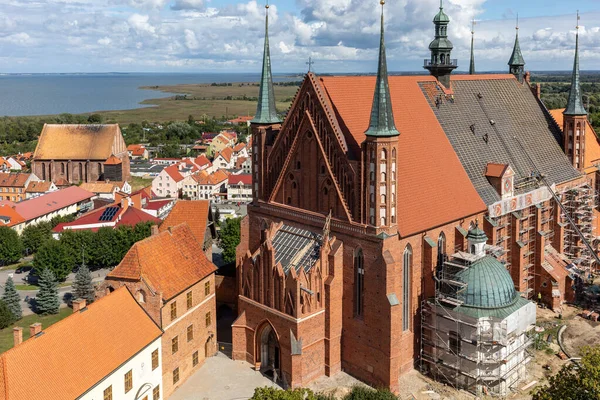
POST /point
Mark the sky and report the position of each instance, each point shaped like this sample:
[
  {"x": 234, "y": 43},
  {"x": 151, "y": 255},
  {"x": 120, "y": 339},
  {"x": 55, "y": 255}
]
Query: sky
[{"x": 342, "y": 36}]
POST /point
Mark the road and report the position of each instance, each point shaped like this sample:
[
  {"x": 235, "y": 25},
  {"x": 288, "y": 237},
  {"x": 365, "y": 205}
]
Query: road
[{"x": 63, "y": 292}]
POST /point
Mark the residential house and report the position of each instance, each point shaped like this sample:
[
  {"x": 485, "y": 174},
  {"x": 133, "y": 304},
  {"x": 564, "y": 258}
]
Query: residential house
[
  {"x": 137, "y": 152},
  {"x": 230, "y": 136},
  {"x": 197, "y": 214},
  {"x": 12, "y": 164},
  {"x": 239, "y": 188},
  {"x": 10, "y": 218},
  {"x": 205, "y": 186},
  {"x": 63, "y": 202},
  {"x": 14, "y": 184},
  {"x": 110, "y": 349},
  {"x": 241, "y": 120},
  {"x": 4, "y": 165},
  {"x": 39, "y": 188},
  {"x": 166, "y": 161},
  {"x": 81, "y": 153},
  {"x": 122, "y": 213},
  {"x": 240, "y": 150},
  {"x": 175, "y": 283},
  {"x": 209, "y": 136},
  {"x": 224, "y": 159},
  {"x": 159, "y": 208},
  {"x": 107, "y": 190},
  {"x": 168, "y": 183},
  {"x": 219, "y": 143}
]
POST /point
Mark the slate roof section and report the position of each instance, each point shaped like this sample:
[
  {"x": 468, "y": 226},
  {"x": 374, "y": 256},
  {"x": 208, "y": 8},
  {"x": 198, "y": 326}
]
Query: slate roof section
[
  {"x": 429, "y": 172},
  {"x": 515, "y": 111},
  {"x": 75, "y": 354},
  {"x": 296, "y": 248},
  {"x": 77, "y": 142},
  {"x": 169, "y": 262}
]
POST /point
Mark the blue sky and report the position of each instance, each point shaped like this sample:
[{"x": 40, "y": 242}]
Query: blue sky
[{"x": 227, "y": 35}]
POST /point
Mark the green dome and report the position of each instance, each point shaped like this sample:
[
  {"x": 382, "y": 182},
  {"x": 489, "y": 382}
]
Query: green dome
[
  {"x": 441, "y": 17},
  {"x": 441, "y": 44},
  {"x": 489, "y": 284}
]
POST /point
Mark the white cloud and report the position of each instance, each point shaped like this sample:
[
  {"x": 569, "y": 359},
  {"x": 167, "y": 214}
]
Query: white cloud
[
  {"x": 105, "y": 41},
  {"x": 188, "y": 5},
  {"x": 191, "y": 41},
  {"x": 141, "y": 25}
]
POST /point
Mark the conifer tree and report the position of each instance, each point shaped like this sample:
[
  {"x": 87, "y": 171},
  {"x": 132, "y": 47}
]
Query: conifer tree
[
  {"x": 47, "y": 301},
  {"x": 12, "y": 299},
  {"x": 82, "y": 286},
  {"x": 6, "y": 316}
]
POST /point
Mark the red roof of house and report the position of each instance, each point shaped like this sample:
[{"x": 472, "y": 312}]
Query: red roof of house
[
  {"x": 112, "y": 160},
  {"x": 245, "y": 179},
  {"x": 133, "y": 147},
  {"x": 33, "y": 208},
  {"x": 174, "y": 173},
  {"x": 226, "y": 153},
  {"x": 157, "y": 204},
  {"x": 138, "y": 152},
  {"x": 201, "y": 161},
  {"x": 195, "y": 213},
  {"x": 38, "y": 187},
  {"x": 131, "y": 216},
  {"x": 241, "y": 119},
  {"x": 239, "y": 147},
  {"x": 495, "y": 170},
  {"x": 75, "y": 354},
  {"x": 169, "y": 262},
  {"x": 13, "y": 179},
  {"x": 8, "y": 212},
  {"x": 429, "y": 171}
]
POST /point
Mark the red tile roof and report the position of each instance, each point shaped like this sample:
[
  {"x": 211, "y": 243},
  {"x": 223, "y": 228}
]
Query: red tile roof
[
  {"x": 157, "y": 204},
  {"x": 13, "y": 179},
  {"x": 429, "y": 171},
  {"x": 77, "y": 142},
  {"x": 495, "y": 170},
  {"x": 195, "y": 213},
  {"x": 7, "y": 212},
  {"x": 174, "y": 173},
  {"x": 245, "y": 179},
  {"x": 112, "y": 160},
  {"x": 131, "y": 216},
  {"x": 592, "y": 143},
  {"x": 169, "y": 262},
  {"x": 226, "y": 153},
  {"x": 239, "y": 147},
  {"x": 38, "y": 187},
  {"x": 201, "y": 161},
  {"x": 33, "y": 208},
  {"x": 75, "y": 354}
]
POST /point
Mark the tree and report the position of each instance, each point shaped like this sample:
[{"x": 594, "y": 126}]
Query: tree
[
  {"x": 34, "y": 236},
  {"x": 95, "y": 119},
  {"x": 54, "y": 256},
  {"x": 11, "y": 247},
  {"x": 83, "y": 288},
  {"x": 12, "y": 299},
  {"x": 6, "y": 316},
  {"x": 229, "y": 238},
  {"x": 272, "y": 393},
  {"x": 573, "y": 382},
  {"x": 47, "y": 298}
]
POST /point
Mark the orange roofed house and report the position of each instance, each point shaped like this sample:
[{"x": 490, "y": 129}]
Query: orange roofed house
[
  {"x": 199, "y": 217},
  {"x": 108, "y": 350},
  {"x": 364, "y": 192},
  {"x": 172, "y": 279},
  {"x": 81, "y": 153}
]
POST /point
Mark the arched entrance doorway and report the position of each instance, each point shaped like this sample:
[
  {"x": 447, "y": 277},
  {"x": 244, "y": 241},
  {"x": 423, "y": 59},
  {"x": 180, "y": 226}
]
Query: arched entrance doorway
[{"x": 268, "y": 351}]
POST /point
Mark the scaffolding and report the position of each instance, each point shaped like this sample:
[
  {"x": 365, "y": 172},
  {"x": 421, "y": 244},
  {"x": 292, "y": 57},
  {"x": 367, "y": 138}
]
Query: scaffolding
[
  {"x": 476, "y": 355},
  {"x": 579, "y": 204}
]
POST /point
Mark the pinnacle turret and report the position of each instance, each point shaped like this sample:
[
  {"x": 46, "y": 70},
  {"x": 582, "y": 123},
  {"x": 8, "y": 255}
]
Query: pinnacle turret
[
  {"x": 575, "y": 103},
  {"x": 440, "y": 64},
  {"x": 382, "y": 117},
  {"x": 266, "y": 113},
  {"x": 472, "y": 64},
  {"x": 516, "y": 62}
]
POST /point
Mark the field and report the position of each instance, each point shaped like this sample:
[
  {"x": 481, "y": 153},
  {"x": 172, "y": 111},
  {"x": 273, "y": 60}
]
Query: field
[{"x": 200, "y": 101}]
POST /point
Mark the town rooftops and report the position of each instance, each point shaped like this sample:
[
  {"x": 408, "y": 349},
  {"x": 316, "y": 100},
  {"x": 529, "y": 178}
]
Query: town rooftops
[
  {"x": 99, "y": 187},
  {"x": 217, "y": 177},
  {"x": 9, "y": 216},
  {"x": 34, "y": 208},
  {"x": 244, "y": 179},
  {"x": 77, "y": 353},
  {"x": 195, "y": 213},
  {"x": 241, "y": 119},
  {"x": 38, "y": 187},
  {"x": 226, "y": 153},
  {"x": 425, "y": 183},
  {"x": 17, "y": 179},
  {"x": 77, "y": 142},
  {"x": 112, "y": 160},
  {"x": 202, "y": 161},
  {"x": 169, "y": 262},
  {"x": 239, "y": 147},
  {"x": 174, "y": 173},
  {"x": 112, "y": 215}
]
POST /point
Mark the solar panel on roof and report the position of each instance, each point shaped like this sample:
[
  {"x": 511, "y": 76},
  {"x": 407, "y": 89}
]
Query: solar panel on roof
[{"x": 109, "y": 214}]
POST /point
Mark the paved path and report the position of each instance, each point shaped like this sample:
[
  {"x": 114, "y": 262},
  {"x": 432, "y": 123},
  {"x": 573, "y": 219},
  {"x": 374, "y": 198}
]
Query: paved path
[{"x": 220, "y": 378}]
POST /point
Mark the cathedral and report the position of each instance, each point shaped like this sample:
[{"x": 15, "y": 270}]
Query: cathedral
[{"x": 372, "y": 183}]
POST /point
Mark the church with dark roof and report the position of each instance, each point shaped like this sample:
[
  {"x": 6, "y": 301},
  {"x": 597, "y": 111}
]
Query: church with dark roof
[{"x": 371, "y": 184}]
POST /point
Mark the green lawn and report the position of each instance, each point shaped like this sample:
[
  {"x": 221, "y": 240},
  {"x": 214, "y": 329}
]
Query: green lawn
[
  {"x": 6, "y": 335},
  {"x": 26, "y": 287},
  {"x": 138, "y": 183}
]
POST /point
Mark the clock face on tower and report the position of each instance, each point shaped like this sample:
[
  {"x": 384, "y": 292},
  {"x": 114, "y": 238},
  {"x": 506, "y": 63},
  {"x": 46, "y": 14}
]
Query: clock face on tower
[{"x": 507, "y": 186}]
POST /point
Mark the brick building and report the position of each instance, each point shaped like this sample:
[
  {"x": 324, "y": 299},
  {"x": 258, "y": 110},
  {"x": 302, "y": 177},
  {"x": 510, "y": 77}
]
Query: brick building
[
  {"x": 174, "y": 282},
  {"x": 403, "y": 173},
  {"x": 81, "y": 153}
]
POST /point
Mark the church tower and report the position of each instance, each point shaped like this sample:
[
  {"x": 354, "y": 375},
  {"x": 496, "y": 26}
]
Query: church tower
[
  {"x": 516, "y": 62},
  {"x": 380, "y": 148},
  {"x": 266, "y": 122},
  {"x": 441, "y": 65},
  {"x": 575, "y": 116}
]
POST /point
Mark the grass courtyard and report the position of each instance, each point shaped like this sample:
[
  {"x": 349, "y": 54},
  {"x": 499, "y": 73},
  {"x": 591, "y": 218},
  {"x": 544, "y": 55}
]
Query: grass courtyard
[{"x": 6, "y": 335}]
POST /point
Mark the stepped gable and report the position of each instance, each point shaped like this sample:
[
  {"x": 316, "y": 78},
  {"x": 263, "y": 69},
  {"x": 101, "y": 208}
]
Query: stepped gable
[
  {"x": 429, "y": 172},
  {"x": 504, "y": 109}
]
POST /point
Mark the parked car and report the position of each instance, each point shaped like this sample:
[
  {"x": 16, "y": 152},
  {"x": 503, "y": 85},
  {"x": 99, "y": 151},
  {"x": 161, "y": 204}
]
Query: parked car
[
  {"x": 25, "y": 268},
  {"x": 32, "y": 278}
]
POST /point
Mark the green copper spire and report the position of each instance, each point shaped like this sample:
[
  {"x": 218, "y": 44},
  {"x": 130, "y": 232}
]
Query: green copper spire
[
  {"x": 472, "y": 65},
  {"x": 575, "y": 104},
  {"x": 440, "y": 64},
  {"x": 266, "y": 112},
  {"x": 382, "y": 117},
  {"x": 516, "y": 62}
]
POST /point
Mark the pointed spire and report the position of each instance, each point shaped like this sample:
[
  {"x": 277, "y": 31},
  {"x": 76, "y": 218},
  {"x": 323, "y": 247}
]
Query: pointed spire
[
  {"x": 575, "y": 104},
  {"x": 266, "y": 112},
  {"x": 516, "y": 59},
  {"x": 472, "y": 65},
  {"x": 382, "y": 117}
]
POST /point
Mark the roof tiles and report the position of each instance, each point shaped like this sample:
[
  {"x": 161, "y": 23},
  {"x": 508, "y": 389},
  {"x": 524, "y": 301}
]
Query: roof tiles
[
  {"x": 76, "y": 142},
  {"x": 195, "y": 213}
]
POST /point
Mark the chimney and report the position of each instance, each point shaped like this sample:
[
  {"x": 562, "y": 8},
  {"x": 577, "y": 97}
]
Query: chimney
[
  {"x": 79, "y": 305},
  {"x": 154, "y": 230},
  {"x": 527, "y": 77},
  {"x": 124, "y": 204},
  {"x": 538, "y": 90},
  {"x": 34, "y": 329},
  {"x": 17, "y": 335}
]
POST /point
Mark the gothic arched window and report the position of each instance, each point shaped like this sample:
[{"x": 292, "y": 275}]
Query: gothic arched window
[
  {"x": 359, "y": 282},
  {"x": 406, "y": 281}
]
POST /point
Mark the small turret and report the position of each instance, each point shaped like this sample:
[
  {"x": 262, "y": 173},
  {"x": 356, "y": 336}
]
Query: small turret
[
  {"x": 516, "y": 62},
  {"x": 477, "y": 240},
  {"x": 440, "y": 64}
]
